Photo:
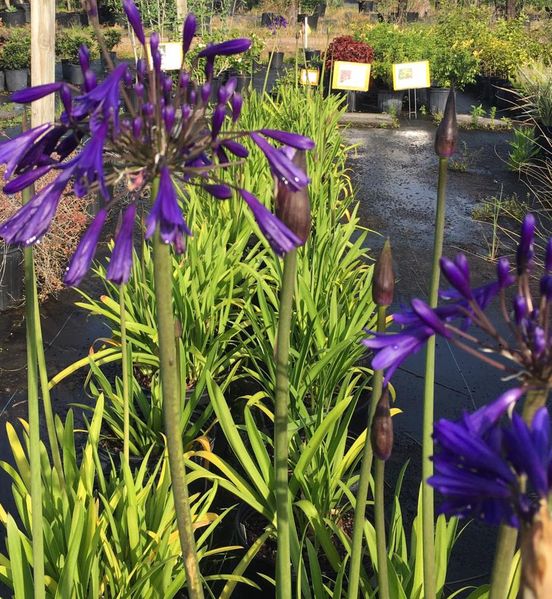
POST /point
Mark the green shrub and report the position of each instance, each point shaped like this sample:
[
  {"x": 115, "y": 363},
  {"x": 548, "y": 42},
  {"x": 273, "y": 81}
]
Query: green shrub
[
  {"x": 16, "y": 51},
  {"x": 69, "y": 41}
]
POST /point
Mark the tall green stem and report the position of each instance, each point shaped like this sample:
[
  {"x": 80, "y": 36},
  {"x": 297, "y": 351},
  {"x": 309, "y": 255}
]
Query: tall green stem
[
  {"x": 126, "y": 374},
  {"x": 364, "y": 481},
  {"x": 283, "y": 515},
  {"x": 162, "y": 267},
  {"x": 427, "y": 441},
  {"x": 34, "y": 428},
  {"x": 381, "y": 544},
  {"x": 504, "y": 554},
  {"x": 507, "y": 536}
]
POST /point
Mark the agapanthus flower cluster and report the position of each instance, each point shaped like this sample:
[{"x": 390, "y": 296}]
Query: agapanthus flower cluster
[
  {"x": 491, "y": 466},
  {"x": 277, "y": 22},
  {"x": 525, "y": 356},
  {"x": 147, "y": 131}
]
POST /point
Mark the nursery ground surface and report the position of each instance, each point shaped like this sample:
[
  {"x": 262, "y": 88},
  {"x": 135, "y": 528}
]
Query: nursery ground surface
[{"x": 395, "y": 174}]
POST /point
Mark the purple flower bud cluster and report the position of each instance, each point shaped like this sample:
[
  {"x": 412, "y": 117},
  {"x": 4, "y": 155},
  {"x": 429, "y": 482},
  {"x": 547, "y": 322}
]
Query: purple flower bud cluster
[
  {"x": 143, "y": 129},
  {"x": 493, "y": 470},
  {"x": 527, "y": 357}
]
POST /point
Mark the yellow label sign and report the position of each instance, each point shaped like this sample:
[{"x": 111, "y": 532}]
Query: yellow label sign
[
  {"x": 411, "y": 75},
  {"x": 353, "y": 76}
]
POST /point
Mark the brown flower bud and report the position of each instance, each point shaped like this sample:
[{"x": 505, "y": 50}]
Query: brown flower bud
[
  {"x": 447, "y": 132},
  {"x": 178, "y": 330},
  {"x": 383, "y": 284},
  {"x": 293, "y": 207},
  {"x": 536, "y": 556},
  {"x": 381, "y": 434}
]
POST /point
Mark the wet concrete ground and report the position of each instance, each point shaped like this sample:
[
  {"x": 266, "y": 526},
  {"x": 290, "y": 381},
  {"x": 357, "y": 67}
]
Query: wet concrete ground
[{"x": 395, "y": 174}]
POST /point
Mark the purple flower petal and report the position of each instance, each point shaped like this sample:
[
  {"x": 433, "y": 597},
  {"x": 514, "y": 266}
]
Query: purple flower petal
[
  {"x": 25, "y": 179},
  {"x": 429, "y": 317},
  {"x": 85, "y": 252},
  {"x": 35, "y": 93},
  {"x": 280, "y": 238},
  {"x": 120, "y": 263},
  {"x": 188, "y": 32},
  {"x": 219, "y": 191},
  {"x": 282, "y": 167},
  {"x": 456, "y": 277},
  {"x": 300, "y": 142},
  {"x": 237, "y": 104},
  {"x": 166, "y": 213},
  {"x": 236, "y": 148},
  {"x": 236, "y": 46},
  {"x": 12, "y": 151},
  {"x": 135, "y": 20}
]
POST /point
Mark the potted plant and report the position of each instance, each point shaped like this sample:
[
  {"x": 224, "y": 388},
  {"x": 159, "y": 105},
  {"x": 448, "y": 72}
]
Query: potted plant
[
  {"x": 366, "y": 6},
  {"x": 11, "y": 15},
  {"x": 112, "y": 37},
  {"x": 67, "y": 14},
  {"x": 346, "y": 48},
  {"x": 449, "y": 65},
  {"x": 16, "y": 59},
  {"x": 68, "y": 42},
  {"x": 275, "y": 57}
]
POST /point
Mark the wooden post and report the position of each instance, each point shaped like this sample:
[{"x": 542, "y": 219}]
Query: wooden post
[
  {"x": 43, "y": 34},
  {"x": 181, "y": 10}
]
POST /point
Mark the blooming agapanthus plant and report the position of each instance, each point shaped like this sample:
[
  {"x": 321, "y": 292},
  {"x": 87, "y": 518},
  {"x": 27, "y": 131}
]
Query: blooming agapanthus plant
[
  {"x": 525, "y": 356},
  {"x": 492, "y": 467},
  {"x": 147, "y": 131}
]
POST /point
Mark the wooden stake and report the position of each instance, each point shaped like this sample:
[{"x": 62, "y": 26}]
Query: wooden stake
[{"x": 43, "y": 34}]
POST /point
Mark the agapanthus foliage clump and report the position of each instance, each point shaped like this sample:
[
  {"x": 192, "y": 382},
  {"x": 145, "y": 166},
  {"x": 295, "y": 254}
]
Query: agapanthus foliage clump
[{"x": 139, "y": 127}]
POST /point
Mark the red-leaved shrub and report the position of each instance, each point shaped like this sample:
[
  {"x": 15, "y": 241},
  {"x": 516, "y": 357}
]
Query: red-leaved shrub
[{"x": 348, "y": 49}]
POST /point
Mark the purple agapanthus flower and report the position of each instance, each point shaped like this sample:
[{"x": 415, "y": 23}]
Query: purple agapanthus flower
[
  {"x": 493, "y": 470},
  {"x": 166, "y": 133},
  {"x": 527, "y": 357}
]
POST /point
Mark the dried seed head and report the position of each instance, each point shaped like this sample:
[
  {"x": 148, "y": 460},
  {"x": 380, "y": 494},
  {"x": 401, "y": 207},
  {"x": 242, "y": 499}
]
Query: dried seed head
[
  {"x": 293, "y": 207},
  {"x": 381, "y": 434},
  {"x": 447, "y": 132},
  {"x": 536, "y": 556},
  {"x": 384, "y": 277}
]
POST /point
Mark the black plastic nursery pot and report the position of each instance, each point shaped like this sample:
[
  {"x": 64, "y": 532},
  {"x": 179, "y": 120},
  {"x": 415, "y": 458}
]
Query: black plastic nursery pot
[
  {"x": 390, "y": 101},
  {"x": 2, "y": 81},
  {"x": 267, "y": 18},
  {"x": 320, "y": 9},
  {"x": 11, "y": 282},
  {"x": 366, "y": 6},
  {"x": 438, "y": 99},
  {"x": 72, "y": 73},
  {"x": 16, "y": 79},
  {"x": 412, "y": 17},
  {"x": 69, "y": 19},
  {"x": 13, "y": 18},
  {"x": 276, "y": 60}
]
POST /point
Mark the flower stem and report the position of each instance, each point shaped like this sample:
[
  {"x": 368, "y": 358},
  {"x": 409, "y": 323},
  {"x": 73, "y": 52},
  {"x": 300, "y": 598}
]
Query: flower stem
[
  {"x": 504, "y": 554},
  {"x": 34, "y": 428},
  {"x": 283, "y": 512},
  {"x": 171, "y": 410},
  {"x": 428, "y": 516},
  {"x": 381, "y": 545},
  {"x": 364, "y": 481},
  {"x": 126, "y": 380}
]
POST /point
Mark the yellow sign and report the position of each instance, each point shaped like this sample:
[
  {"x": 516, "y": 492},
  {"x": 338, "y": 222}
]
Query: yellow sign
[
  {"x": 354, "y": 76},
  {"x": 411, "y": 75},
  {"x": 310, "y": 76}
]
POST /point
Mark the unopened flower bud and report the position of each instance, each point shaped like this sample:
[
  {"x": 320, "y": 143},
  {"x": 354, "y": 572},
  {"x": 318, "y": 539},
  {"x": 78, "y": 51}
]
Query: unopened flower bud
[
  {"x": 525, "y": 249},
  {"x": 381, "y": 434},
  {"x": 383, "y": 284},
  {"x": 447, "y": 132},
  {"x": 536, "y": 556},
  {"x": 293, "y": 207}
]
